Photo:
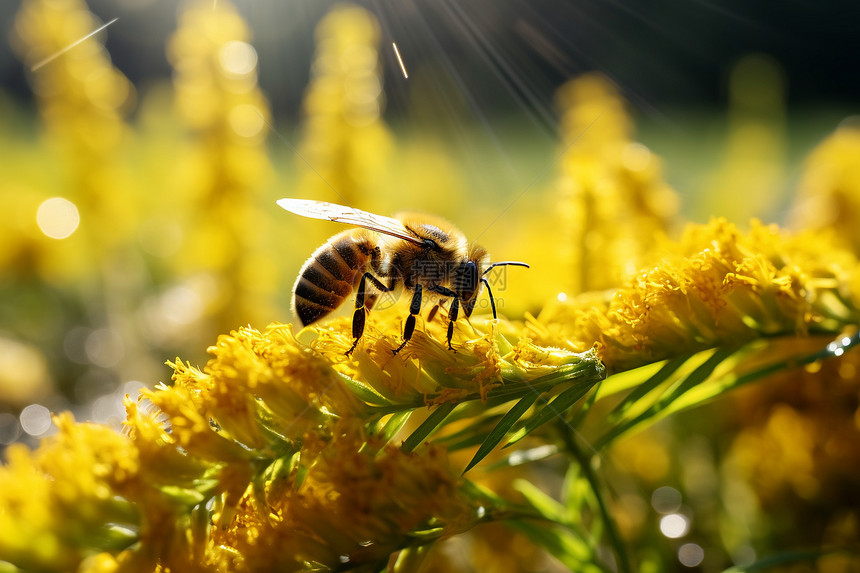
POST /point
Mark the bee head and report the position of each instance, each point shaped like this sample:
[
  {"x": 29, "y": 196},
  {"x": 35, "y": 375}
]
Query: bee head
[{"x": 467, "y": 279}]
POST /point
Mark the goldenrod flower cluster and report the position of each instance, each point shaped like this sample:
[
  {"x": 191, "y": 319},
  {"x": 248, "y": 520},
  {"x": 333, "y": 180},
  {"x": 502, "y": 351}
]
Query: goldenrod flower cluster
[
  {"x": 610, "y": 193},
  {"x": 83, "y": 100},
  {"x": 219, "y": 101},
  {"x": 268, "y": 458},
  {"x": 829, "y": 192},
  {"x": 345, "y": 140},
  {"x": 716, "y": 286}
]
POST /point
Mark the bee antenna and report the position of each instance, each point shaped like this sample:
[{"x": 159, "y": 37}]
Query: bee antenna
[
  {"x": 490, "y": 292},
  {"x": 503, "y": 263}
]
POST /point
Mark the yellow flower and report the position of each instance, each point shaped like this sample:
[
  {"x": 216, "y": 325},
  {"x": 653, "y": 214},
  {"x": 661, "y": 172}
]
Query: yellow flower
[
  {"x": 82, "y": 100},
  {"x": 62, "y": 502},
  {"x": 428, "y": 371},
  {"x": 829, "y": 193},
  {"x": 221, "y": 174},
  {"x": 345, "y": 139},
  {"x": 355, "y": 506},
  {"x": 715, "y": 286},
  {"x": 750, "y": 176},
  {"x": 613, "y": 201}
]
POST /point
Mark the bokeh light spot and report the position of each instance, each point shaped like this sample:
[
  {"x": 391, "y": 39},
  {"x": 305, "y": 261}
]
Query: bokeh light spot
[
  {"x": 104, "y": 348},
  {"x": 10, "y": 429},
  {"x": 666, "y": 499},
  {"x": 674, "y": 525},
  {"x": 35, "y": 420},
  {"x": 636, "y": 157},
  {"x": 246, "y": 120},
  {"x": 58, "y": 218},
  {"x": 238, "y": 59},
  {"x": 691, "y": 554}
]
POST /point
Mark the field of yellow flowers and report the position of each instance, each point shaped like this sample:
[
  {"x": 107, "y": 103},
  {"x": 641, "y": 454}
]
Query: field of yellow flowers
[{"x": 672, "y": 385}]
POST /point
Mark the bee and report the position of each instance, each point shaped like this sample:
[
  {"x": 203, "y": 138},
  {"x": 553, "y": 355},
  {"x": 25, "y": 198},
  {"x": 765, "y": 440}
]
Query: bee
[{"x": 422, "y": 253}]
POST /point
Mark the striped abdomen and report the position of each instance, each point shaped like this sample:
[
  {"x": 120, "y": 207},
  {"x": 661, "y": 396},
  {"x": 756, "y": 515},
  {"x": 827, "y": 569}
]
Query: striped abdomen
[{"x": 329, "y": 276}]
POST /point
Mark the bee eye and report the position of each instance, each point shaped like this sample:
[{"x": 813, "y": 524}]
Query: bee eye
[
  {"x": 466, "y": 280},
  {"x": 430, "y": 244}
]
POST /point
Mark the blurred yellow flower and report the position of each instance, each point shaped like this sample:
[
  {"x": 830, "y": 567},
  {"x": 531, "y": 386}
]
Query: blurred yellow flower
[
  {"x": 828, "y": 196},
  {"x": 613, "y": 202},
  {"x": 221, "y": 173},
  {"x": 82, "y": 100},
  {"x": 345, "y": 142},
  {"x": 62, "y": 502},
  {"x": 751, "y": 174}
]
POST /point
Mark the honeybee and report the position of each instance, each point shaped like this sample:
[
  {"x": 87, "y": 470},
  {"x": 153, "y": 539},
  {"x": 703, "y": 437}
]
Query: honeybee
[{"x": 421, "y": 252}]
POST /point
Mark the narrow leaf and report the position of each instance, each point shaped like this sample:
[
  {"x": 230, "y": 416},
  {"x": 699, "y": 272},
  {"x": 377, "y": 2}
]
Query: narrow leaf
[
  {"x": 365, "y": 393},
  {"x": 559, "y": 542},
  {"x": 656, "y": 410},
  {"x": 668, "y": 368},
  {"x": 394, "y": 423},
  {"x": 553, "y": 409},
  {"x": 540, "y": 501},
  {"x": 505, "y": 424},
  {"x": 433, "y": 421},
  {"x": 483, "y": 423}
]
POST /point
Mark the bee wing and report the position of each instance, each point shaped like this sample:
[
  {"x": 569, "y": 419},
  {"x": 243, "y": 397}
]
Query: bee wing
[{"x": 349, "y": 216}]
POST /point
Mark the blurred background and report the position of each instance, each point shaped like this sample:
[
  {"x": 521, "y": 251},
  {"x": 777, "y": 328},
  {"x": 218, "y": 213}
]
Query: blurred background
[{"x": 141, "y": 164}]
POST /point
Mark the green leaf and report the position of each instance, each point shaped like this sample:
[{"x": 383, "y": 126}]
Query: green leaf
[
  {"x": 182, "y": 495},
  {"x": 666, "y": 370},
  {"x": 553, "y": 409},
  {"x": 502, "y": 427},
  {"x": 659, "y": 408},
  {"x": 364, "y": 392},
  {"x": 540, "y": 501},
  {"x": 472, "y": 434},
  {"x": 411, "y": 558},
  {"x": 558, "y": 541},
  {"x": 394, "y": 424},
  {"x": 433, "y": 421}
]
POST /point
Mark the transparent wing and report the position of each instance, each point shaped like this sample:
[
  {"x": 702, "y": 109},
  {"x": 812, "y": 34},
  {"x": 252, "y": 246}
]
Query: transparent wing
[{"x": 349, "y": 216}]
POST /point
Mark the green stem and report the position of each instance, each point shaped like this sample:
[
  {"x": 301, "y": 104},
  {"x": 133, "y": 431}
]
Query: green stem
[{"x": 588, "y": 472}]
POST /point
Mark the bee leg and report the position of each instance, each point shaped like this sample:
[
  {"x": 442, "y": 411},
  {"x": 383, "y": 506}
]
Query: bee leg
[
  {"x": 414, "y": 309},
  {"x": 360, "y": 308},
  {"x": 452, "y": 316},
  {"x": 452, "y": 312}
]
